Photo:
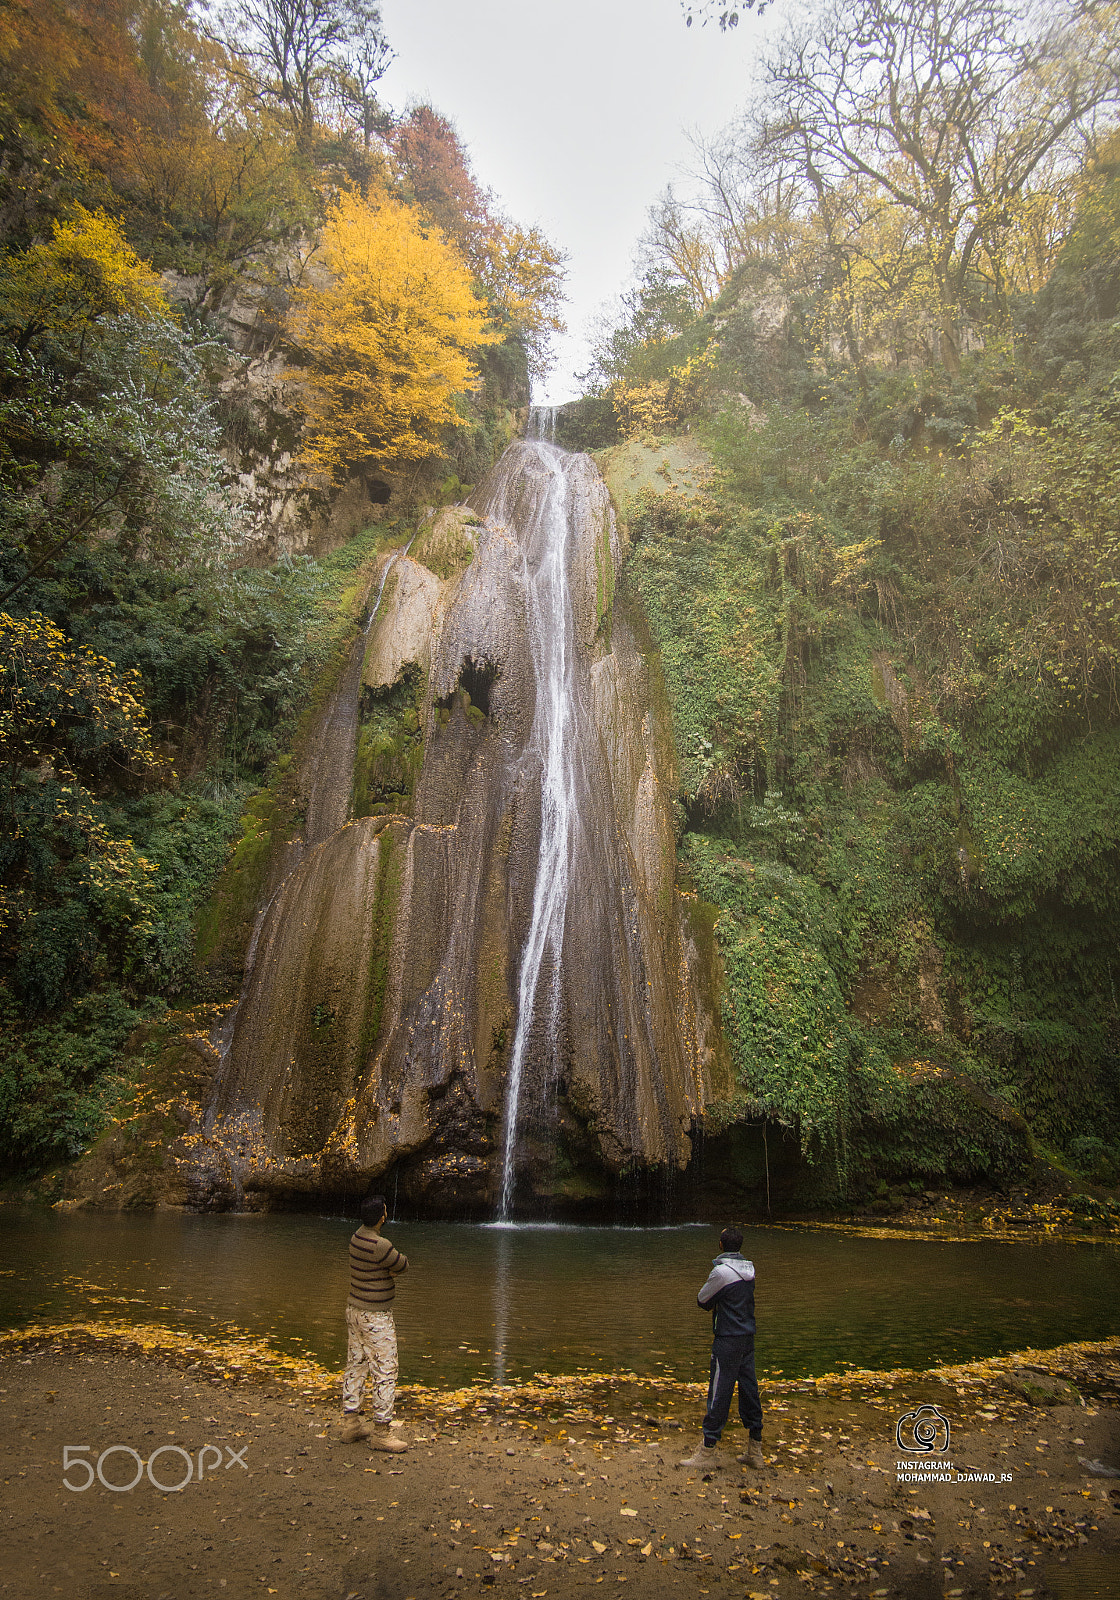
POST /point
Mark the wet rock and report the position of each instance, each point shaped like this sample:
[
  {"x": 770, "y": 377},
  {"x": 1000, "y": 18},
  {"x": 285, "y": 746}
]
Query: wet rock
[
  {"x": 381, "y": 998},
  {"x": 1042, "y": 1388},
  {"x": 402, "y": 633}
]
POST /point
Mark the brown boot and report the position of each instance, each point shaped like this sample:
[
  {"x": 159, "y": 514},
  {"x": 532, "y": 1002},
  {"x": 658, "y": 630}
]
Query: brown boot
[
  {"x": 353, "y": 1428},
  {"x": 382, "y": 1439},
  {"x": 752, "y": 1456}
]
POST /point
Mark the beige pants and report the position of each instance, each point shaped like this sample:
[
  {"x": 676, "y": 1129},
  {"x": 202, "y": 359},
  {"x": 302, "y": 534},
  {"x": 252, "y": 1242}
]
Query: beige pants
[{"x": 371, "y": 1351}]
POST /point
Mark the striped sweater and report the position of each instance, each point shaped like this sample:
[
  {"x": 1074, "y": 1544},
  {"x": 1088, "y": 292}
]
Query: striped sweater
[{"x": 374, "y": 1263}]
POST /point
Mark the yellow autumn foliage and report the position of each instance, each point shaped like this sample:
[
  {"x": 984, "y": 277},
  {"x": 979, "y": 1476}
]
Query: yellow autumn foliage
[
  {"x": 387, "y": 325},
  {"x": 662, "y": 404},
  {"x": 86, "y": 272},
  {"x": 524, "y": 276}
]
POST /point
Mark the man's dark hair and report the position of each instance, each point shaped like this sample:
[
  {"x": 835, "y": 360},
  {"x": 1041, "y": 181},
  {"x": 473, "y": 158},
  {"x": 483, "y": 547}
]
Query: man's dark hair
[
  {"x": 373, "y": 1208},
  {"x": 731, "y": 1239}
]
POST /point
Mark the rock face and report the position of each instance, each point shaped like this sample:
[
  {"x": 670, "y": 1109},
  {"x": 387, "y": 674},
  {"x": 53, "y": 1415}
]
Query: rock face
[{"x": 382, "y": 1002}]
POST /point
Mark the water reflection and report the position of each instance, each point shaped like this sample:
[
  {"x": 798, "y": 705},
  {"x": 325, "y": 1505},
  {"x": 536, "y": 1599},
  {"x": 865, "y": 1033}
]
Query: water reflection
[
  {"x": 497, "y": 1304},
  {"x": 501, "y": 1299}
]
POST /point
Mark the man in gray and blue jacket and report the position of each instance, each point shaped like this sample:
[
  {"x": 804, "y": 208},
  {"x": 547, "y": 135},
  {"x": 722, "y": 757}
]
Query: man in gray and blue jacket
[{"x": 729, "y": 1295}]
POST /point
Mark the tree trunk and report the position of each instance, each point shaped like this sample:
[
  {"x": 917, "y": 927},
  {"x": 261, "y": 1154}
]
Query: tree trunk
[{"x": 949, "y": 343}]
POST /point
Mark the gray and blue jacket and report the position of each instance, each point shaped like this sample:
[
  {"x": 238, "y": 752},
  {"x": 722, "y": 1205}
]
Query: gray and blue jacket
[{"x": 729, "y": 1292}]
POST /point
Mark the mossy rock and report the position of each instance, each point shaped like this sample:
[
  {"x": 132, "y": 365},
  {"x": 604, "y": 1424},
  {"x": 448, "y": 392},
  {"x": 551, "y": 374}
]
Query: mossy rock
[
  {"x": 447, "y": 545},
  {"x": 680, "y": 464},
  {"x": 1043, "y": 1388}
]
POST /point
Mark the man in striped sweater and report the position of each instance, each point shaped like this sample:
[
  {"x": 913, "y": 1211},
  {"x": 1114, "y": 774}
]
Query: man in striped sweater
[{"x": 371, "y": 1350}]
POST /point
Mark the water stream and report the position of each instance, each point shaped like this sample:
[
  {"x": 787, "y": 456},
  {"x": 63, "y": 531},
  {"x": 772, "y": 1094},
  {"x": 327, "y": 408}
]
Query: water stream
[
  {"x": 551, "y": 641},
  {"x": 542, "y": 423}
]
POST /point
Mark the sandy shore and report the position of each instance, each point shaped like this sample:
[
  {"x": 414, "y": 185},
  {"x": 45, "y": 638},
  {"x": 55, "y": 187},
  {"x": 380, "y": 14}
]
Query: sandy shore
[{"x": 548, "y": 1489}]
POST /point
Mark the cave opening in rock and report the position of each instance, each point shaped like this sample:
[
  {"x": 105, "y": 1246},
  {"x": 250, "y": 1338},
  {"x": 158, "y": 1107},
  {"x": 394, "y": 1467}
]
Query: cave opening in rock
[{"x": 477, "y": 677}]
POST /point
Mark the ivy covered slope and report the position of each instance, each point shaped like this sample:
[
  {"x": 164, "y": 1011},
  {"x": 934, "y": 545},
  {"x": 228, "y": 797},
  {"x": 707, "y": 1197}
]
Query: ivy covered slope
[
  {"x": 884, "y": 599},
  {"x": 914, "y": 908}
]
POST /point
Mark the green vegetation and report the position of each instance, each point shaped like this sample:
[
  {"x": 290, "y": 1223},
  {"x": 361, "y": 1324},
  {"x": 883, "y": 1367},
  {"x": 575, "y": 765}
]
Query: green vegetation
[
  {"x": 903, "y": 880},
  {"x": 113, "y": 839},
  {"x": 159, "y": 666},
  {"x": 390, "y": 749},
  {"x": 887, "y": 624}
]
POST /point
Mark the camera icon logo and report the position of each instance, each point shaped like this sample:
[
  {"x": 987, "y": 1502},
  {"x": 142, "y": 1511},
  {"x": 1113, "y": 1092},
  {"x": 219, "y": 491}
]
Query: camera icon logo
[{"x": 923, "y": 1431}]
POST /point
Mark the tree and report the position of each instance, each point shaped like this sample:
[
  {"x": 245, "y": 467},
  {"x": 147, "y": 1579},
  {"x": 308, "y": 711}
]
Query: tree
[
  {"x": 387, "y": 325},
  {"x": 85, "y": 273},
  {"x": 214, "y": 199},
  {"x": 75, "y": 901},
  {"x": 751, "y": 205},
  {"x": 726, "y": 15},
  {"x": 647, "y": 341},
  {"x": 436, "y": 170},
  {"x": 72, "y": 83},
  {"x": 106, "y": 426},
  {"x": 726, "y": 12},
  {"x": 303, "y": 48},
  {"x": 688, "y": 248},
  {"x": 950, "y": 109},
  {"x": 1088, "y": 270},
  {"x": 130, "y": 105},
  {"x": 521, "y": 272},
  {"x": 356, "y": 78},
  {"x": 211, "y": 176},
  {"x": 524, "y": 278}
]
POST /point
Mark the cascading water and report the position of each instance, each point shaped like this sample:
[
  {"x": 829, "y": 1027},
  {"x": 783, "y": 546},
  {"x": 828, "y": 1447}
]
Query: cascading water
[
  {"x": 500, "y": 937},
  {"x": 551, "y": 642},
  {"x": 542, "y": 423}
]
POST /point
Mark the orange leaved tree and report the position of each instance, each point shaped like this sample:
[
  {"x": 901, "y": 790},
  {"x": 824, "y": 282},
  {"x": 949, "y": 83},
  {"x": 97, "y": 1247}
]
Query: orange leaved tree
[{"x": 387, "y": 322}]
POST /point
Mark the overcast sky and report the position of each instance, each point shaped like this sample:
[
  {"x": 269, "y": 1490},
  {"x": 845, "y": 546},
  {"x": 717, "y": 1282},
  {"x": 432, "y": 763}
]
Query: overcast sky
[{"x": 575, "y": 113}]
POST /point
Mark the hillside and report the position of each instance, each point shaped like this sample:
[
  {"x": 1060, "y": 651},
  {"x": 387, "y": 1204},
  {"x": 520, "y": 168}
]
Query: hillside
[
  {"x": 215, "y": 249},
  {"x": 882, "y": 594}
]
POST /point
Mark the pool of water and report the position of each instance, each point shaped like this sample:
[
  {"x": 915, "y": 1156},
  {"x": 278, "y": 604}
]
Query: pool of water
[{"x": 485, "y": 1303}]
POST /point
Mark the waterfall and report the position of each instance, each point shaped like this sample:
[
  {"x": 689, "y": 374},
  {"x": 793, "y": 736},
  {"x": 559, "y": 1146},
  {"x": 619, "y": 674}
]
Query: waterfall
[
  {"x": 389, "y": 565},
  {"x": 551, "y": 643},
  {"x": 542, "y": 423},
  {"x": 503, "y": 936}
]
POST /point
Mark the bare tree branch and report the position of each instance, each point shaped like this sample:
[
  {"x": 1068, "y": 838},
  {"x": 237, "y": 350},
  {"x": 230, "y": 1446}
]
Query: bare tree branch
[
  {"x": 948, "y": 108},
  {"x": 304, "y": 48}
]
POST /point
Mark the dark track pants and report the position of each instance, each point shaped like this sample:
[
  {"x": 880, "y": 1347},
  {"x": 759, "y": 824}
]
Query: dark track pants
[{"x": 732, "y": 1363}]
